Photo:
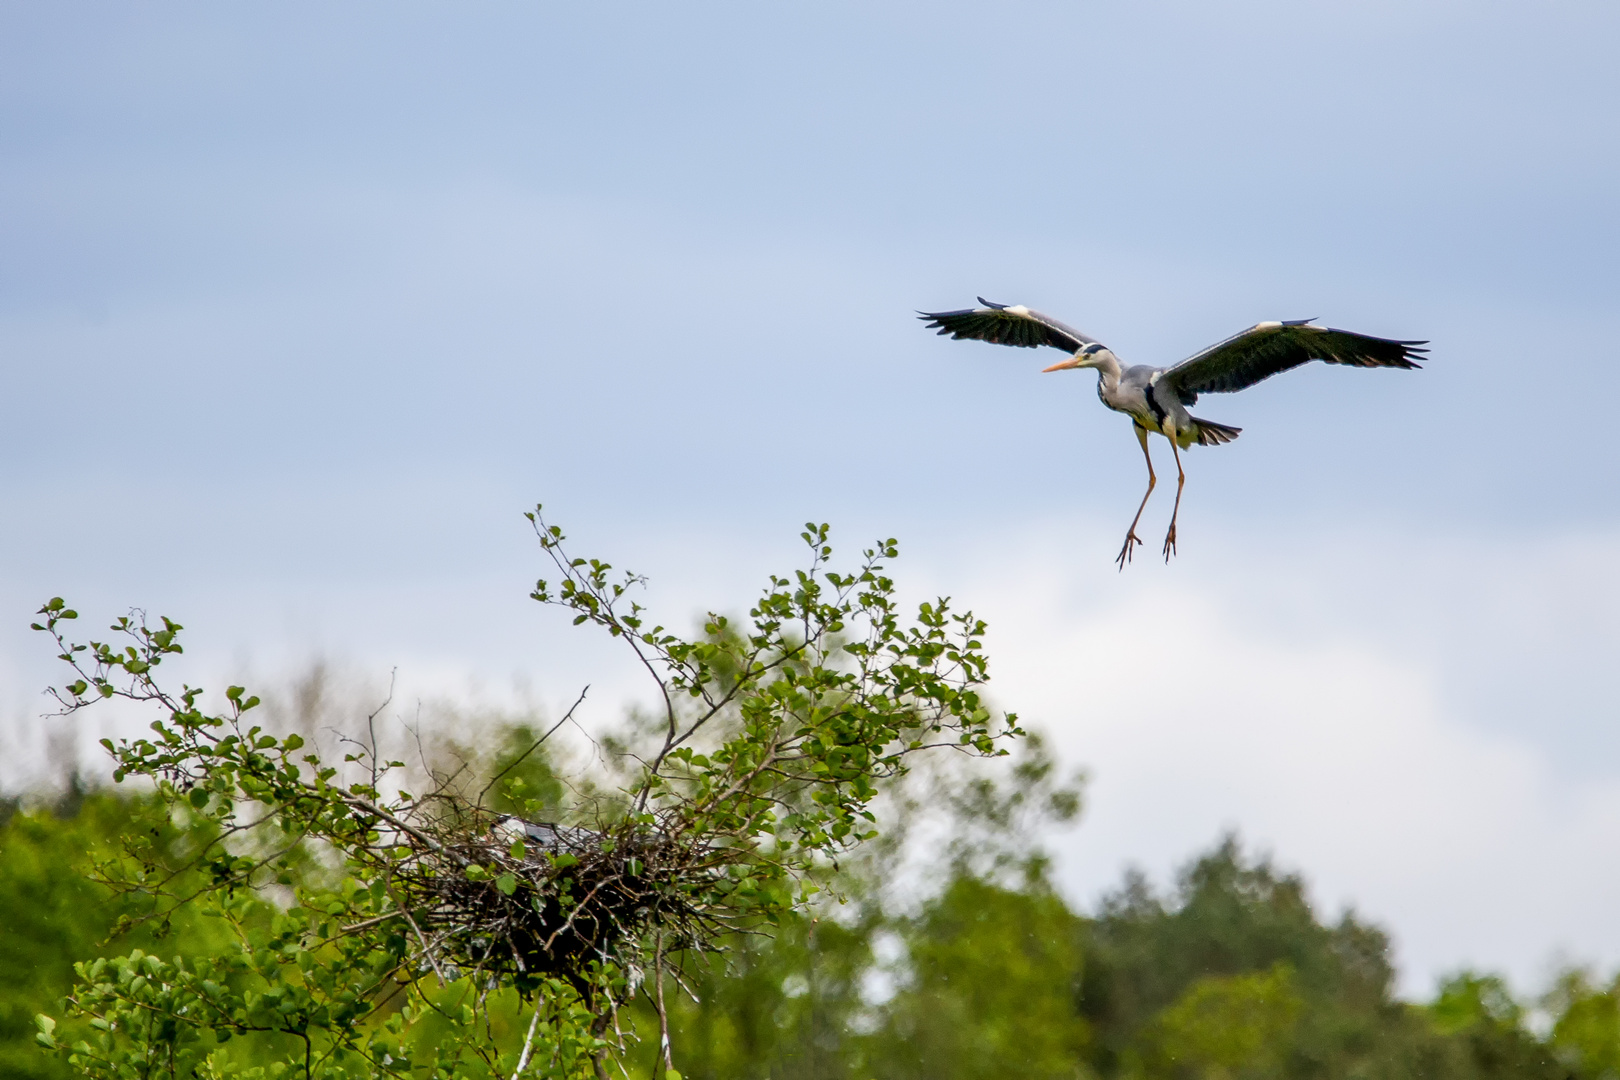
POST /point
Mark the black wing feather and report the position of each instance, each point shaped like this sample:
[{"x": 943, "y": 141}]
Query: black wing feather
[
  {"x": 1004, "y": 324},
  {"x": 1264, "y": 350}
]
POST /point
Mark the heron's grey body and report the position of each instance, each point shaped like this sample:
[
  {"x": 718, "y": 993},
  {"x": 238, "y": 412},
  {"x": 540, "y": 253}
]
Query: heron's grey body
[
  {"x": 546, "y": 836},
  {"x": 1141, "y": 392},
  {"x": 1156, "y": 399}
]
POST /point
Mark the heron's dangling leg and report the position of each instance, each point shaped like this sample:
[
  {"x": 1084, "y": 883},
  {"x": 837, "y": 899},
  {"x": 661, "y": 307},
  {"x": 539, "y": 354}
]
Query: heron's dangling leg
[
  {"x": 1181, "y": 480},
  {"x": 1131, "y": 539}
]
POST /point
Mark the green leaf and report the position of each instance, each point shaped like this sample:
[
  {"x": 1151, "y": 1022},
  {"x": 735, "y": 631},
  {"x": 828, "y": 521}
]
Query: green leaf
[{"x": 507, "y": 884}]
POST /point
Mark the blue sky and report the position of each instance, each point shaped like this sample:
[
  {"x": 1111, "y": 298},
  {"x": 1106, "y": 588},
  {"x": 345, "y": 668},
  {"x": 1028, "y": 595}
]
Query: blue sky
[{"x": 301, "y": 305}]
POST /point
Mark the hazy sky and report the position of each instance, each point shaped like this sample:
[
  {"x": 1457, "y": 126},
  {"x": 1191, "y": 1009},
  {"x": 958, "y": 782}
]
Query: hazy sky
[{"x": 302, "y": 304}]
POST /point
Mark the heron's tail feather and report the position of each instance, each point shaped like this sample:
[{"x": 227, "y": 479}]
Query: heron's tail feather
[{"x": 1213, "y": 434}]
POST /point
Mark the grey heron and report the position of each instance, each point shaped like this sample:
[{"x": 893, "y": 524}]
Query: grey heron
[
  {"x": 1155, "y": 398},
  {"x": 543, "y": 834}
]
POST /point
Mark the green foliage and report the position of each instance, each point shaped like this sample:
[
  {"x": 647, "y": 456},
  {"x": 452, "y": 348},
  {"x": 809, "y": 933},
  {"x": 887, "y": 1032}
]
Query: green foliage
[
  {"x": 990, "y": 987},
  {"x": 1230, "y": 976},
  {"x": 1468, "y": 1001},
  {"x": 989, "y": 978},
  {"x": 54, "y": 914},
  {"x": 1586, "y": 1034},
  {"x": 776, "y": 733},
  {"x": 1227, "y": 1025},
  {"x": 367, "y": 931},
  {"x": 1488, "y": 1033},
  {"x": 1228, "y": 918},
  {"x": 526, "y": 782},
  {"x": 780, "y": 1005}
]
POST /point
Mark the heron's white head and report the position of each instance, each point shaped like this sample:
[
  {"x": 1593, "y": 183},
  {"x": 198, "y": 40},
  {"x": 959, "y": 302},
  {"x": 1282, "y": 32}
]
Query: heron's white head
[{"x": 1093, "y": 355}]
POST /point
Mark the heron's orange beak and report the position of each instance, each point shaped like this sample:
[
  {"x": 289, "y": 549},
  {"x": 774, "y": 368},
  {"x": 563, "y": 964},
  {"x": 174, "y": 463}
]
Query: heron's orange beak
[{"x": 1062, "y": 365}]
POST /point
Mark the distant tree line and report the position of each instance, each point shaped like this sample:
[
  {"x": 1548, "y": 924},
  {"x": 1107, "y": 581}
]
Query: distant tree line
[{"x": 990, "y": 973}]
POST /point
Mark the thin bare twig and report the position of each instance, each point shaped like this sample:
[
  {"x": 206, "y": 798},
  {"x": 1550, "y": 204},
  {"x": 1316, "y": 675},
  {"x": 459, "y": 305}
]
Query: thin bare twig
[
  {"x": 569, "y": 715},
  {"x": 528, "y": 1043}
]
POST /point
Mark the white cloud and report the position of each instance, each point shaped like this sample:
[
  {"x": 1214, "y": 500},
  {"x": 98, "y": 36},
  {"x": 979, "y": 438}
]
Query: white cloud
[{"x": 1321, "y": 735}]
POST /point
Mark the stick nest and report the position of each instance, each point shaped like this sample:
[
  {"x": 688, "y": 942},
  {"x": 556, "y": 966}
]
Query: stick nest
[{"x": 559, "y": 908}]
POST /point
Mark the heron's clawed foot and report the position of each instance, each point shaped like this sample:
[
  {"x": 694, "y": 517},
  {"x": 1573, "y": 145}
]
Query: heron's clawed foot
[
  {"x": 1131, "y": 540},
  {"x": 1170, "y": 542}
]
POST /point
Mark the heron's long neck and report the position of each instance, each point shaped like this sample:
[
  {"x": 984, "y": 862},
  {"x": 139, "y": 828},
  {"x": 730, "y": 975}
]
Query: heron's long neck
[{"x": 1108, "y": 372}]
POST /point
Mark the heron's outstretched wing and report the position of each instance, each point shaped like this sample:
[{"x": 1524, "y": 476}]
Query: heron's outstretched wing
[
  {"x": 1261, "y": 351},
  {"x": 1006, "y": 324}
]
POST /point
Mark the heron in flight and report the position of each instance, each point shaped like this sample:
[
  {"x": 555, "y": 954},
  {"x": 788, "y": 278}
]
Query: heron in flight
[{"x": 1155, "y": 398}]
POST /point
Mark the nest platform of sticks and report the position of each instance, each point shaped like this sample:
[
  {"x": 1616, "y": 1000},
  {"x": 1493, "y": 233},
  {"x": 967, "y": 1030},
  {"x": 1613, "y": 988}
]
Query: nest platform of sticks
[{"x": 560, "y": 900}]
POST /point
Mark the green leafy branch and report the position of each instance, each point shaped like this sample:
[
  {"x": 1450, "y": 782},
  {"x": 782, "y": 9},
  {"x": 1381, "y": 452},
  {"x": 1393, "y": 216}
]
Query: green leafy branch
[{"x": 413, "y": 913}]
